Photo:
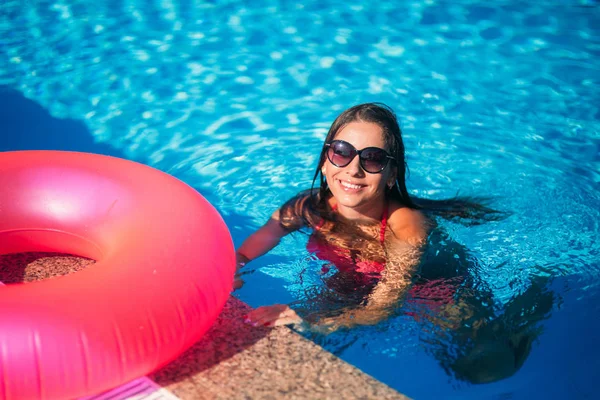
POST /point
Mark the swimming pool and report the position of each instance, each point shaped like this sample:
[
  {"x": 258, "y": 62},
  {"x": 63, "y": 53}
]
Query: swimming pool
[{"x": 236, "y": 99}]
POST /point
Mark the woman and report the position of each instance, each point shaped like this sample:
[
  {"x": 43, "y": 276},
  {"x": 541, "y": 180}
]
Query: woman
[
  {"x": 363, "y": 221},
  {"x": 382, "y": 249}
]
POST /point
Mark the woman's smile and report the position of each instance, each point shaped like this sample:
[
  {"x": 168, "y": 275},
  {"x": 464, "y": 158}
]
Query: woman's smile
[{"x": 350, "y": 187}]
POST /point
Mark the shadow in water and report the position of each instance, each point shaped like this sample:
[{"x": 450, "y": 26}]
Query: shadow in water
[{"x": 26, "y": 125}]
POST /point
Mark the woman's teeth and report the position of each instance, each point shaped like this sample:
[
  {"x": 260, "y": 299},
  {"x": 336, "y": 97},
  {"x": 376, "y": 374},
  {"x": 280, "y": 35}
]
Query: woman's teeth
[{"x": 350, "y": 185}]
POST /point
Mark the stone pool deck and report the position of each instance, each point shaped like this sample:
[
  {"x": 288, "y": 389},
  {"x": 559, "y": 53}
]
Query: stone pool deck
[{"x": 233, "y": 360}]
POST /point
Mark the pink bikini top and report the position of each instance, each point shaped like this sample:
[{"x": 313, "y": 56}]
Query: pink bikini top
[
  {"x": 431, "y": 294},
  {"x": 346, "y": 259}
]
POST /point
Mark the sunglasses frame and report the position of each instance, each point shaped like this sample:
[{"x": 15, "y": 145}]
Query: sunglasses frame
[{"x": 358, "y": 153}]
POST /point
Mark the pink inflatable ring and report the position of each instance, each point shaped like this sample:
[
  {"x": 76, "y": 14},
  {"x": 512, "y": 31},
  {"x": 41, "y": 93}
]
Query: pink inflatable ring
[{"x": 165, "y": 265}]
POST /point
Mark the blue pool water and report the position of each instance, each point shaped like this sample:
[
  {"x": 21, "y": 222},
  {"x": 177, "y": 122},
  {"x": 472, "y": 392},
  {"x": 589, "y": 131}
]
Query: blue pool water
[{"x": 498, "y": 99}]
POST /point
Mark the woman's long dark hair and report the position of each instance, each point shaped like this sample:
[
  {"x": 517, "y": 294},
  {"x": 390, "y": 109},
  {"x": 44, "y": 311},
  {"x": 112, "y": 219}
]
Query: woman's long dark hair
[{"x": 310, "y": 206}]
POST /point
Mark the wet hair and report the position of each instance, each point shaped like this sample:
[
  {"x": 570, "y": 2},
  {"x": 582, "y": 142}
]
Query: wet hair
[{"x": 310, "y": 206}]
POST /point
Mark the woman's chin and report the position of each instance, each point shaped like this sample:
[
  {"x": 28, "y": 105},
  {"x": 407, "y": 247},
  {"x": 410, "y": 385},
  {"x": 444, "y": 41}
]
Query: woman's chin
[{"x": 349, "y": 200}]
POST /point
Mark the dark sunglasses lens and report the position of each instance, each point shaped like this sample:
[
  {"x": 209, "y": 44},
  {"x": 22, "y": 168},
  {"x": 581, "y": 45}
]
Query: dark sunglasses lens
[
  {"x": 340, "y": 154},
  {"x": 373, "y": 160}
]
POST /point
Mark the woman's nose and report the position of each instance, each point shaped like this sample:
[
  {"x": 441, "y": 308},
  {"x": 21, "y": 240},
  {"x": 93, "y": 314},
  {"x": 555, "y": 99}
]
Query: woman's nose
[{"x": 354, "y": 167}]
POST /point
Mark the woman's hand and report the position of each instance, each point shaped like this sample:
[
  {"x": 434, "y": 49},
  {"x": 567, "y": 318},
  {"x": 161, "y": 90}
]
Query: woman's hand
[
  {"x": 275, "y": 315},
  {"x": 357, "y": 316},
  {"x": 238, "y": 282},
  {"x": 240, "y": 262}
]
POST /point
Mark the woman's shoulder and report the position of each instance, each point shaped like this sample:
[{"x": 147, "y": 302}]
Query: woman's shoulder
[{"x": 408, "y": 224}]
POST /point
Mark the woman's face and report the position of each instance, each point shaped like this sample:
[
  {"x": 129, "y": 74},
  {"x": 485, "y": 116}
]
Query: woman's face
[{"x": 359, "y": 193}]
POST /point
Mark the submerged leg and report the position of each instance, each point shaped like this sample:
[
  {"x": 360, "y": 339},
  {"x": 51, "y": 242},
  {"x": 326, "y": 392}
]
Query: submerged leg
[{"x": 496, "y": 349}]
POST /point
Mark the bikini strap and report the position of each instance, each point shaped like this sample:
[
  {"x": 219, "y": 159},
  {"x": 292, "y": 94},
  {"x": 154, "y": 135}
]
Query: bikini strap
[
  {"x": 320, "y": 224},
  {"x": 384, "y": 218},
  {"x": 322, "y": 221}
]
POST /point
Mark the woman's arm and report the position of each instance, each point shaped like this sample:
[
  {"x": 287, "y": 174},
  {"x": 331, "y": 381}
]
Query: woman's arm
[
  {"x": 403, "y": 251},
  {"x": 257, "y": 244},
  {"x": 404, "y": 248},
  {"x": 286, "y": 219},
  {"x": 382, "y": 301},
  {"x": 263, "y": 240}
]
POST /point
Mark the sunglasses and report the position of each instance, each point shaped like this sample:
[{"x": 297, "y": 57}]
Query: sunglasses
[{"x": 372, "y": 159}]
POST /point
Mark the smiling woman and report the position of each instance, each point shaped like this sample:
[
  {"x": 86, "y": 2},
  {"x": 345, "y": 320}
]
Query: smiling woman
[
  {"x": 363, "y": 220},
  {"x": 373, "y": 237}
]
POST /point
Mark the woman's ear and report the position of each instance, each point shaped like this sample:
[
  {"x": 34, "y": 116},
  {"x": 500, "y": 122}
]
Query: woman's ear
[
  {"x": 391, "y": 181},
  {"x": 323, "y": 169}
]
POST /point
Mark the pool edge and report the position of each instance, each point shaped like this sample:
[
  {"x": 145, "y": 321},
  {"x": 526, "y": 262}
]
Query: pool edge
[{"x": 237, "y": 361}]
